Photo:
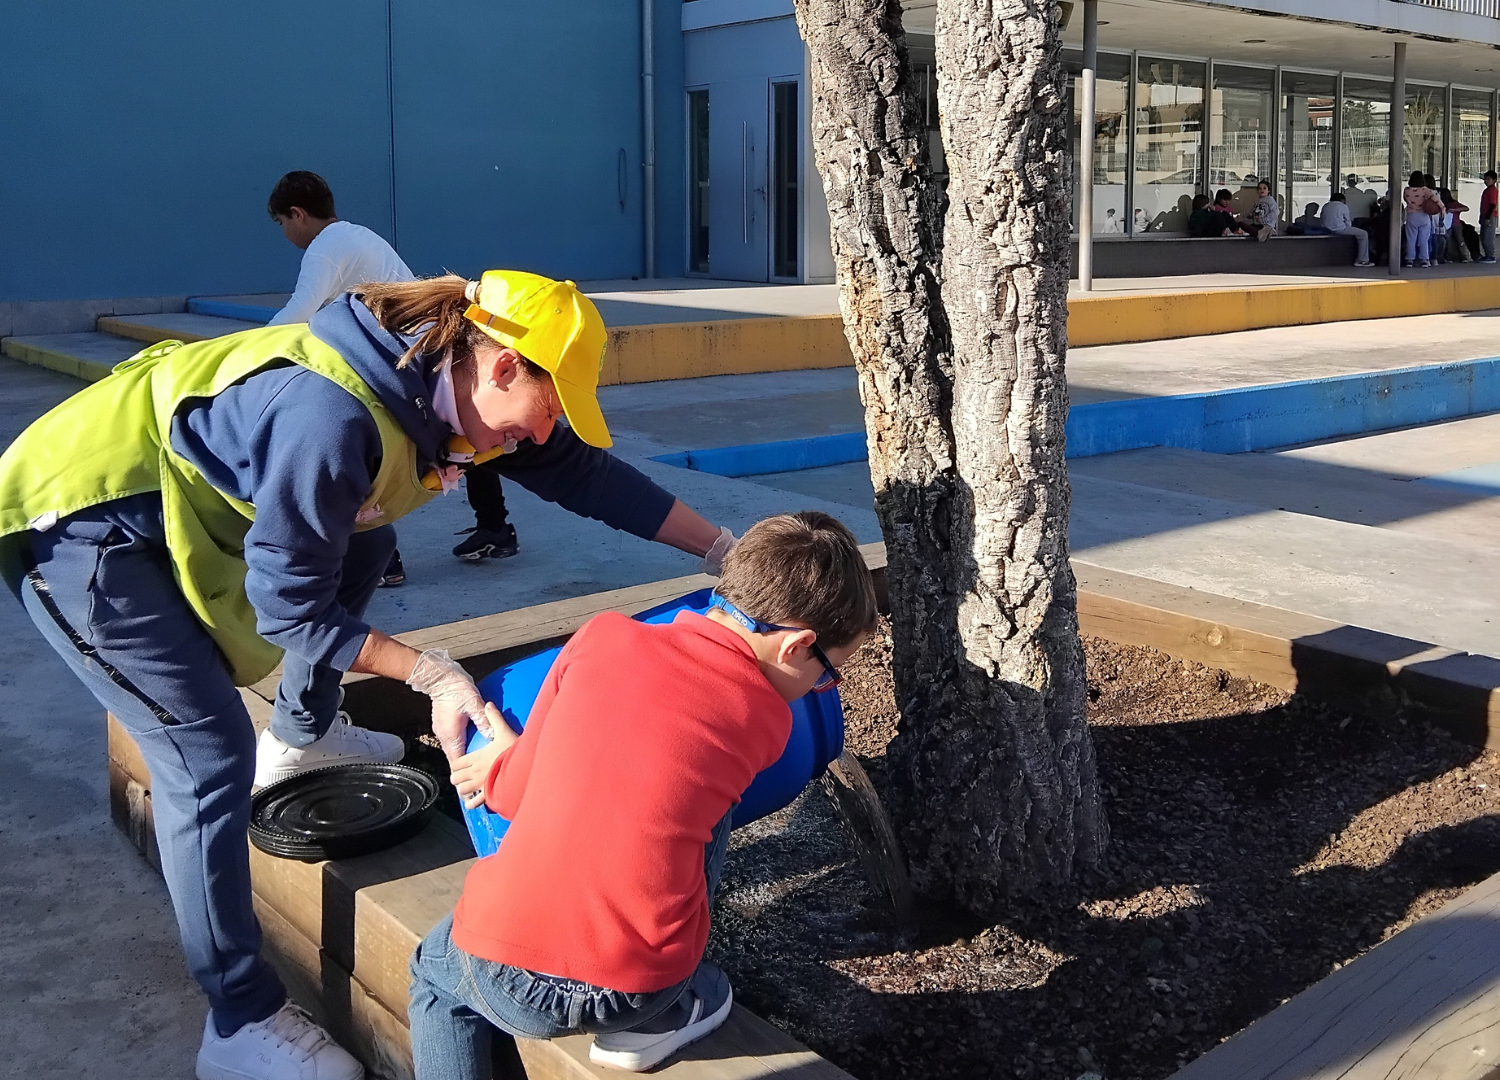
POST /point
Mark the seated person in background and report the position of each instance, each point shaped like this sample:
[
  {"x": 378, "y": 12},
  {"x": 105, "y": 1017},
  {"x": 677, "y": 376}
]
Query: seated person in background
[
  {"x": 592, "y": 916},
  {"x": 1336, "y": 219},
  {"x": 1224, "y": 207},
  {"x": 1458, "y": 247},
  {"x": 1203, "y": 222},
  {"x": 336, "y": 255},
  {"x": 1309, "y": 224},
  {"x": 1379, "y": 229},
  {"x": 1265, "y": 218},
  {"x": 1361, "y": 201}
]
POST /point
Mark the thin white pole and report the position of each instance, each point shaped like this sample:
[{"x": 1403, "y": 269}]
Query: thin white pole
[
  {"x": 1086, "y": 147},
  {"x": 1398, "y": 148}
]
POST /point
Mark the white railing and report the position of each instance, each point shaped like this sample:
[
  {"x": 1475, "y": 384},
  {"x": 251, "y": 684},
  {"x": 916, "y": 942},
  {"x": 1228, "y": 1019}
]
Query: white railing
[{"x": 1490, "y": 8}]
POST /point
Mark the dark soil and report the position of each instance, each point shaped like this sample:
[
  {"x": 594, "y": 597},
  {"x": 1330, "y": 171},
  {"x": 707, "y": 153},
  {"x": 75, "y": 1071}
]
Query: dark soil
[{"x": 1259, "y": 841}]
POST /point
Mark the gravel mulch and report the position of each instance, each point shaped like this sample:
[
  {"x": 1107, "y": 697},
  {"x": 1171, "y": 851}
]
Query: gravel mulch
[{"x": 1260, "y": 841}]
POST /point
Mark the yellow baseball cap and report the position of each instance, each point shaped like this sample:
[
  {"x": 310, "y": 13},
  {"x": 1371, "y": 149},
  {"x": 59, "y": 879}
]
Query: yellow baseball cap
[{"x": 554, "y": 326}]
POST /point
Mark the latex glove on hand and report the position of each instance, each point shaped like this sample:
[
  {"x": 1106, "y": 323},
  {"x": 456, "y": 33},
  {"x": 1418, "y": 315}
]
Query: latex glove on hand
[
  {"x": 713, "y": 562},
  {"x": 455, "y": 700},
  {"x": 471, "y": 772}
]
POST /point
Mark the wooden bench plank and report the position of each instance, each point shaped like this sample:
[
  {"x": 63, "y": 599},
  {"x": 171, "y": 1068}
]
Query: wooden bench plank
[
  {"x": 475, "y": 641},
  {"x": 1359, "y": 669},
  {"x": 1425, "y": 1004}
]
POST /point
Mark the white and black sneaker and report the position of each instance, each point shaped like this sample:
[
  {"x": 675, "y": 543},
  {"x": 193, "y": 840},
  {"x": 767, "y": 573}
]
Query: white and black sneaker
[
  {"x": 342, "y": 744},
  {"x": 703, "y": 1006},
  {"x": 287, "y": 1045},
  {"x": 498, "y": 543}
]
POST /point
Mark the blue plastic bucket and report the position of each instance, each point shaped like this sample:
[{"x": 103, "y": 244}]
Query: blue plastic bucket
[{"x": 817, "y": 733}]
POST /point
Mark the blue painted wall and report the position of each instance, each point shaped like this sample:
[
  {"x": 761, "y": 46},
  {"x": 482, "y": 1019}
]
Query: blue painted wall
[{"x": 143, "y": 139}]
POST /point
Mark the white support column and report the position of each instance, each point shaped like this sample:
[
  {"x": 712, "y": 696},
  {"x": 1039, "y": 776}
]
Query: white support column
[
  {"x": 1279, "y": 130},
  {"x": 1398, "y": 152},
  {"x": 1450, "y": 142},
  {"x": 1494, "y": 128},
  {"x": 1337, "y": 150},
  {"x": 1086, "y": 146},
  {"x": 1131, "y": 90}
]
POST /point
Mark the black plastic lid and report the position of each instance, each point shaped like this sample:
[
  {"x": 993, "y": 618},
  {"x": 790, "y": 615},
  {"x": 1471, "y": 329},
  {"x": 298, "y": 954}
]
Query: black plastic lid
[{"x": 341, "y": 811}]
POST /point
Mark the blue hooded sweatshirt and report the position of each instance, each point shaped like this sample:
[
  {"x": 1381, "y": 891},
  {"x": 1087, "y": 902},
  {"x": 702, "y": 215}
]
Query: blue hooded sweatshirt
[{"x": 304, "y": 452}]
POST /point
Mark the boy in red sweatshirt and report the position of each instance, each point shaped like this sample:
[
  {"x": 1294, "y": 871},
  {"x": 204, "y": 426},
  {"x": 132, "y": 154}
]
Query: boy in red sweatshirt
[{"x": 593, "y": 915}]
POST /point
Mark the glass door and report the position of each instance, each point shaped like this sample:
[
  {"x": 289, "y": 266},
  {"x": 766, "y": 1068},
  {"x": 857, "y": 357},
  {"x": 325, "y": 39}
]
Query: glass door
[
  {"x": 786, "y": 164},
  {"x": 698, "y": 179}
]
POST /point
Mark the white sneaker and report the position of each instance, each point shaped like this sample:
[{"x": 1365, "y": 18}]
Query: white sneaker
[
  {"x": 344, "y": 744},
  {"x": 285, "y": 1046},
  {"x": 703, "y": 1006}
]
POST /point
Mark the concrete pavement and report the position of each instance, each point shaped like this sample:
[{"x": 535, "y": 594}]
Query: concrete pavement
[{"x": 95, "y": 984}]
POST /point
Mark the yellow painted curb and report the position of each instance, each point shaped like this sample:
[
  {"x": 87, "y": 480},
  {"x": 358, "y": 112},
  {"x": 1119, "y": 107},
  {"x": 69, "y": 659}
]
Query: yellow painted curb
[
  {"x": 744, "y": 346},
  {"x": 690, "y": 350},
  {"x": 54, "y": 360},
  {"x": 137, "y": 331},
  {"x": 1113, "y": 320}
]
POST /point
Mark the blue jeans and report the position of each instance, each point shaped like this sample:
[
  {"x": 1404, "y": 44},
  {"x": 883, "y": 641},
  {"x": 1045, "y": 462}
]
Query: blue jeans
[
  {"x": 458, "y": 1000},
  {"x": 104, "y": 597},
  {"x": 1418, "y": 233},
  {"x": 1487, "y": 238}
]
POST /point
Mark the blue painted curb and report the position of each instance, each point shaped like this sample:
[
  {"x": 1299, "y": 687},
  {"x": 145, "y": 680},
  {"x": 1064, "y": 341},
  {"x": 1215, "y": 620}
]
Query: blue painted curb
[
  {"x": 1218, "y": 422},
  {"x": 753, "y": 459},
  {"x": 224, "y": 309},
  {"x": 1283, "y": 414}
]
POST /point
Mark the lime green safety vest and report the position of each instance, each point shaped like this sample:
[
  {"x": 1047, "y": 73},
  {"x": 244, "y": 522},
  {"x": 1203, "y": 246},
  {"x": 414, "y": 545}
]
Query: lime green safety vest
[{"x": 112, "y": 439}]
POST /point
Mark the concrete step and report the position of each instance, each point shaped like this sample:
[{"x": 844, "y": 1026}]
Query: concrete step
[
  {"x": 1454, "y": 511},
  {"x": 181, "y": 325},
  {"x": 251, "y": 307},
  {"x": 1388, "y": 579},
  {"x": 84, "y": 356}
]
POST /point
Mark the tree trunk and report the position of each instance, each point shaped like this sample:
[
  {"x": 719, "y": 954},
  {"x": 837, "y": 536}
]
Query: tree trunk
[{"x": 959, "y": 337}]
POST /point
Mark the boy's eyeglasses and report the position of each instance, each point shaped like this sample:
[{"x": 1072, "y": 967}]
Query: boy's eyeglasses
[{"x": 826, "y": 681}]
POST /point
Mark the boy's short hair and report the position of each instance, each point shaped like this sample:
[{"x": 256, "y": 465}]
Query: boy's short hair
[
  {"x": 301, "y": 188},
  {"x": 1337, "y": 196},
  {"x": 802, "y": 568},
  {"x": 1491, "y": 175}
]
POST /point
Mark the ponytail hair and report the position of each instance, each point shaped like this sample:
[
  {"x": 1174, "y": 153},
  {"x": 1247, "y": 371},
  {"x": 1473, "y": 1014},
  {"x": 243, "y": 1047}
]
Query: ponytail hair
[{"x": 432, "y": 307}]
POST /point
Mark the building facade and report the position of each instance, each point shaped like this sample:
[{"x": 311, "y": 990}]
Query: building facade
[
  {"x": 1198, "y": 97},
  {"x": 145, "y": 139}
]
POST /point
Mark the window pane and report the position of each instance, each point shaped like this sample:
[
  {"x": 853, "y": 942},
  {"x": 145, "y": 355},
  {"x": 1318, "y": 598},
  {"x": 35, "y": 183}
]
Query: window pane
[
  {"x": 1306, "y": 177},
  {"x": 1240, "y": 131},
  {"x": 1366, "y": 144},
  {"x": 1111, "y": 95},
  {"x": 784, "y": 220},
  {"x": 1472, "y": 143},
  {"x": 1168, "y": 134},
  {"x": 1424, "y": 130},
  {"x": 698, "y": 181}
]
